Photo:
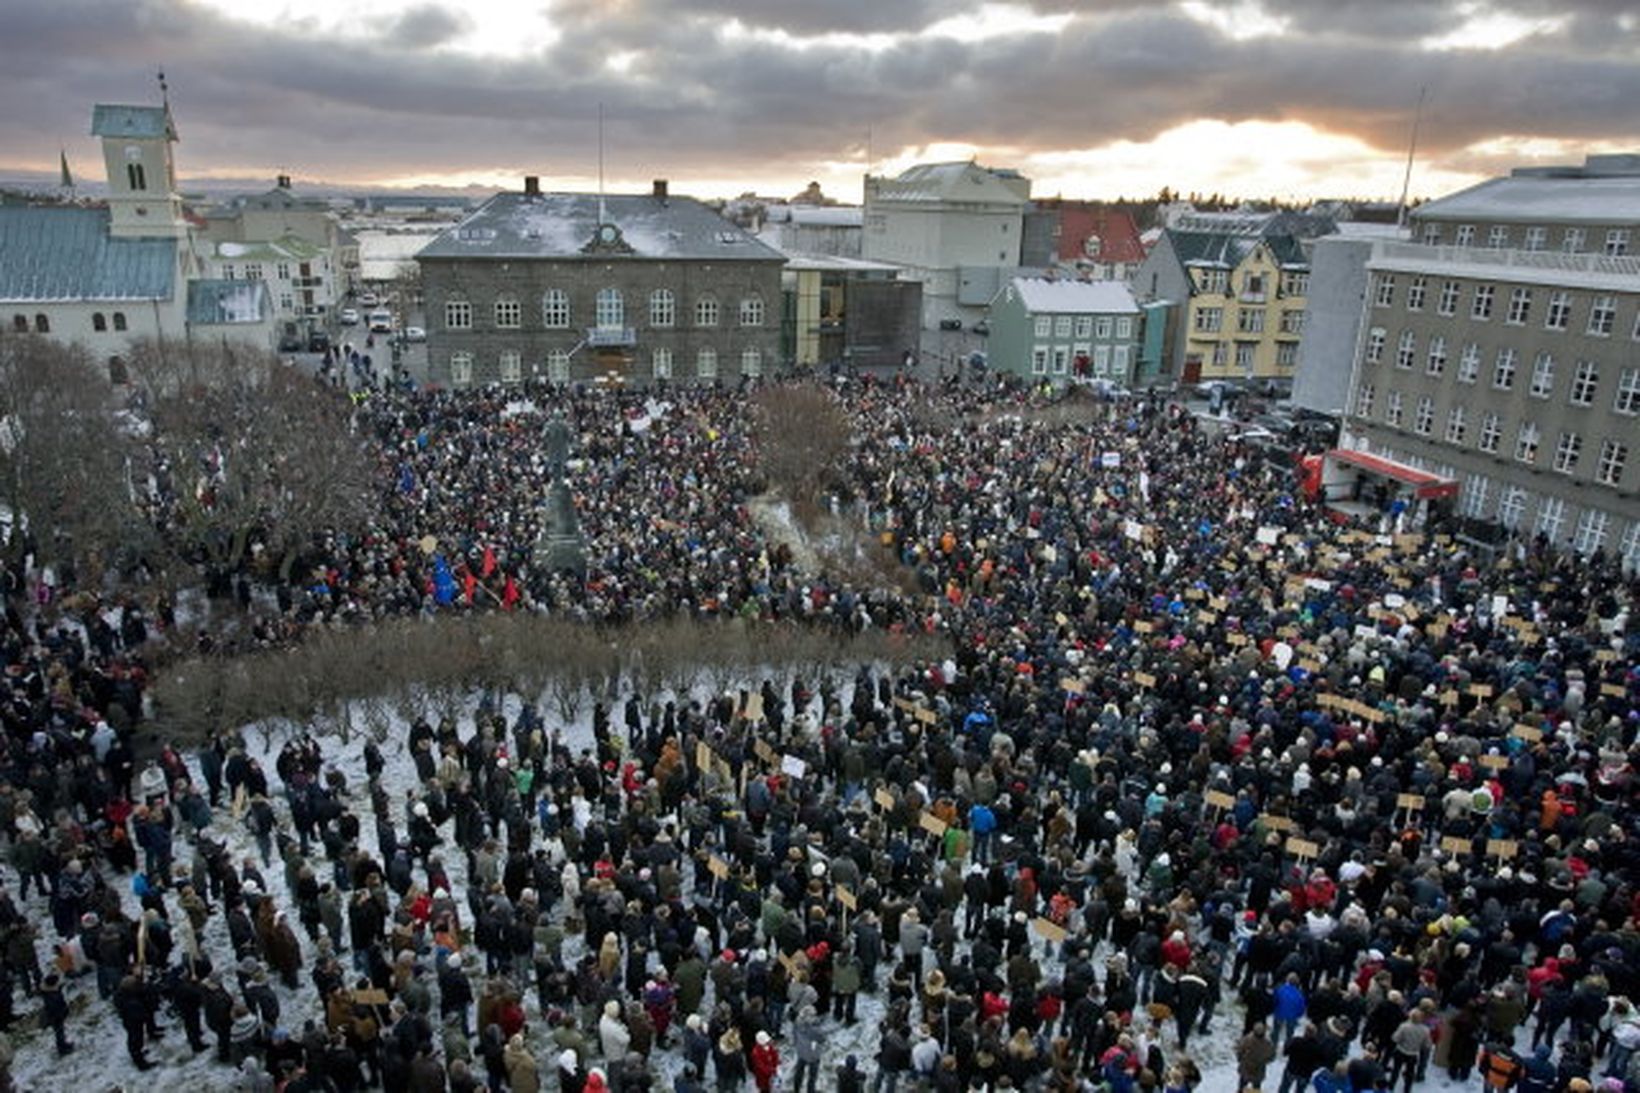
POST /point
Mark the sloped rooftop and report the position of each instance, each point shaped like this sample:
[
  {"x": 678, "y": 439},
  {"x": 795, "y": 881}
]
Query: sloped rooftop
[
  {"x": 1042, "y": 296},
  {"x": 515, "y": 225},
  {"x": 57, "y": 254}
]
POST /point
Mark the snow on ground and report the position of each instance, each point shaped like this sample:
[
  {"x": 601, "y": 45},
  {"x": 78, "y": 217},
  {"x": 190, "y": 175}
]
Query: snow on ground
[{"x": 100, "y": 1064}]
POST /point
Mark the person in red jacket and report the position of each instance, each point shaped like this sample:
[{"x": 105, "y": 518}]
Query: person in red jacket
[
  {"x": 765, "y": 1062},
  {"x": 1176, "y": 950}
]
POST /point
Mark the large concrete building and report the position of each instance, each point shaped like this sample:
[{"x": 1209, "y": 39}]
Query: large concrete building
[
  {"x": 623, "y": 289},
  {"x": 1332, "y": 314},
  {"x": 956, "y": 228},
  {"x": 1501, "y": 349}
]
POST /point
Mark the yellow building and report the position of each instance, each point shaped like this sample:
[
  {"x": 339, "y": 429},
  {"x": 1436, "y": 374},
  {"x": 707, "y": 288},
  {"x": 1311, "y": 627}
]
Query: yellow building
[
  {"x": 1240, "y": 297},
  {"x": 1247, "y": 310}
]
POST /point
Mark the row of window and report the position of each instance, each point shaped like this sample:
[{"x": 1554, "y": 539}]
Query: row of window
[
  {"x": 1253, "y": 285},
  {"x": 609, "y": 311},
  {"x": 1083, "y": 326},
  {"x": 1558, "y": 314},
  {"x": 1249, "y": 320},
  {"x": 1477, "y": 498},
  {"x": 1286, "y": 355},
  {"x": 1582, "y": 390},
  {"x": 1106, "y": 360},
  {"x": 1489, "y": 434},
  {"x": 1533, "y": 237},
  {"x": 510, "y": 366},
  {"x": 42, "y": 322}
]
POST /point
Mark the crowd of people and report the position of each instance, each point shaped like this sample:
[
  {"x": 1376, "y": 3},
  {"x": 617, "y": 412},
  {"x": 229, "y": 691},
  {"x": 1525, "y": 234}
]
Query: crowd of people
[{"x": 1206, "y": 779}]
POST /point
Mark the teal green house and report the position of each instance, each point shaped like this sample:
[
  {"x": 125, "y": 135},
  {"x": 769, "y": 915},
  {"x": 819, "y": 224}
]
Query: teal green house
[{"x": 1058, "y": 330}]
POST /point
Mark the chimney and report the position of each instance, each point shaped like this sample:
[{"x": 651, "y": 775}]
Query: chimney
[
  {"x": 532, "y": 185},
  {"x": 283, "y": 182},
  {"x": 660, "y": 189}
]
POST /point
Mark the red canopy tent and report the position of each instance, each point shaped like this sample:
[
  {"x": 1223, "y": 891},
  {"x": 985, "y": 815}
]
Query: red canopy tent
[{"x": 1423, "y": 483}]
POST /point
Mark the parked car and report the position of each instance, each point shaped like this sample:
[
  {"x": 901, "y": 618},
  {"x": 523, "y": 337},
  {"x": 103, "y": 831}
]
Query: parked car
[
  {"x": 950, "y": 324},
  {"x": 318, "y": 342},
  {"x": 982, "y": 328},
  {"x": 349, "y": 316},
  {"x": 414, "y": 334}
]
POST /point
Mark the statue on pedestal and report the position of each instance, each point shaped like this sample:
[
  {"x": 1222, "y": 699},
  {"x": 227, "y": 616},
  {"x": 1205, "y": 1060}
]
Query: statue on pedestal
[{"x": 560, "y": 546}]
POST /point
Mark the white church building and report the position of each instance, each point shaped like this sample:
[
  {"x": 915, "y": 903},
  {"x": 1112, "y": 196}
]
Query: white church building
[{"x": 103, "y": 276}]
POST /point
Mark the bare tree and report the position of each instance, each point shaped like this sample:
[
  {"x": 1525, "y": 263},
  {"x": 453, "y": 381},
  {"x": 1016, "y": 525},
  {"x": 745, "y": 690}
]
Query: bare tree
[
  {"x": 64, "y": 474},
  {"x": 247, "y": 449},
  {"x": 802, "y": 432}
]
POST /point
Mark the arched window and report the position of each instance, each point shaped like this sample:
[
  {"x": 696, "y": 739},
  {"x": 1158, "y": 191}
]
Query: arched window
[
  {"x": 662, "y": 361},
  {"x": 706, "y": 364},
  {"x": 99, "y": 321},
  {"x": 116, "y": 371},
  {"x": 19, "y": 323},
  {"x": 751, "y": 363},
  {"x": 42, "y": 325},
  {"x": 751, "y": 310},
  {"x": 663, "y": 307},
  {"x": 706, "y": 311},
  {"x": 611, "y": 309},
  {"x": 136, "y": 176},
  {"x": 555, "y": 309},
  {"x": 119, "y": 320}
]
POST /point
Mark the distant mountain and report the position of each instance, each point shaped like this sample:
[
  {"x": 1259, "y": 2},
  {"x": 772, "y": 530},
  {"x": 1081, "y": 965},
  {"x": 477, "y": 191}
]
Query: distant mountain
[{"x": 216, "y": 188}]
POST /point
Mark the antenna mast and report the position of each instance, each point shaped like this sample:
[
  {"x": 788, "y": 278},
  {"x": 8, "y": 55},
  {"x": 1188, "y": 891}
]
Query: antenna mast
[
  {"x": 602, "y": 219},
  {"x": 1412, "y": 148}
]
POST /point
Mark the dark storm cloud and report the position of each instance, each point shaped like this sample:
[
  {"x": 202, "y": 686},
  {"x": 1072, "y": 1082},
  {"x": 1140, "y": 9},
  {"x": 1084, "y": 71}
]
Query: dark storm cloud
[
  {"x": 426, "y": 25},
  {"x": 695, "y": 100}
]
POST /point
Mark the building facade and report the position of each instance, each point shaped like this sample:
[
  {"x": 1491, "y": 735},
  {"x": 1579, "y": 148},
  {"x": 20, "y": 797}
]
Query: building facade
[
  {"x": 255, "y": 237},
  {"x": 1060, "y": 330},
  {"x": 623, "y": 289},
  {"x": 948, "y": 225},
  {"x": 1332, "y": 319},
  {"x": 101, "y": 277},
  {"x": 1502, "y": 349},
  {"x": 300, "y": 279},
  {"x": 1240, "y": 302}
]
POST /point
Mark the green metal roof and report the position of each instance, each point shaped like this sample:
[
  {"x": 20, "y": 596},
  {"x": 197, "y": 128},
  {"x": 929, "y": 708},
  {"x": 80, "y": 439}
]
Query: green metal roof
[
  {"x": 139, "y": 122},
  {"x": 57, "y": 253}
]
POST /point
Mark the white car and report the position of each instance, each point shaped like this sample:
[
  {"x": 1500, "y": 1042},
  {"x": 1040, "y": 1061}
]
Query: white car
[
  {"x": 368, "y": 299},
  {"x": 349, "y": 316},
  {"x": 414, "y": 334}
]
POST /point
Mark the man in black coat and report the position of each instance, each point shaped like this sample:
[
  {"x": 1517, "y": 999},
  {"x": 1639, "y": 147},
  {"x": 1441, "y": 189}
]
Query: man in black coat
[
  {"x": 54, "y": 1011},
  {"x": 132, "y": 1003}
]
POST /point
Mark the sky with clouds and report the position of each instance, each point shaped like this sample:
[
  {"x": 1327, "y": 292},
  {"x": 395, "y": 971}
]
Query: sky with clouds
[{"x": 1090, "y": 98}]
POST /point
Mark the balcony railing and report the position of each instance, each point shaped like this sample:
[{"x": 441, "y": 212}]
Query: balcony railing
[
  {"x": 1627, "y": 265},
  {"x": 604, "y": 336}
]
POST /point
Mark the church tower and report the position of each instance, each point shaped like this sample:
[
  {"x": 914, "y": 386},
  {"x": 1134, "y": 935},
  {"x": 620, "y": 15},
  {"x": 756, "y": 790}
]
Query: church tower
[{"x": 142, "y": 185}]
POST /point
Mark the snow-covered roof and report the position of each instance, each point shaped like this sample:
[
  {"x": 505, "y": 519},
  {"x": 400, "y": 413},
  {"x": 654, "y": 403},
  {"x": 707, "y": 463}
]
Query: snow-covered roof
[
  {"x": 1040, "y": 296},
  {"x": 1604, "y": 200},
  {"x": 965, "y": 182},
  {"x": 516, "y": 225}
]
